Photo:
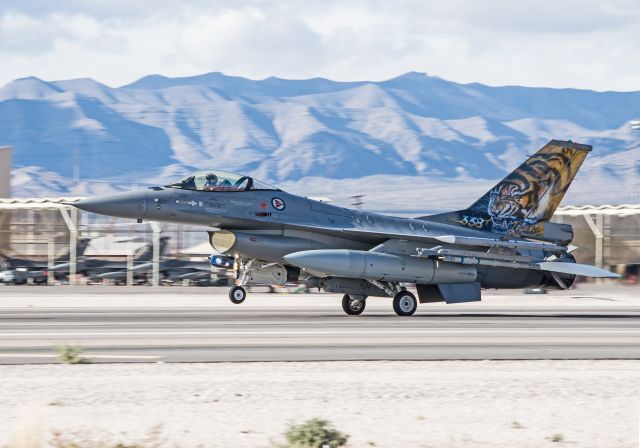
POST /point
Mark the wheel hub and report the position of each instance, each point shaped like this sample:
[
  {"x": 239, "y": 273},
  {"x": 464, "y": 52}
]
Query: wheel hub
[
  {"x": 356, "y": 305},
  {"x": 406, "y": 304}
]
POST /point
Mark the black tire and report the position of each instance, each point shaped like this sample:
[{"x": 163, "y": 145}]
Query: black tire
[
  {"x": 237, "y": 294},
  {"x": 405, "y": 303},
  {"x": 353, "y": 307}
]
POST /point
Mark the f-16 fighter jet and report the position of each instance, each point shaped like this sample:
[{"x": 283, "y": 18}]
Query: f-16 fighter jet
[
  {"x": 18, "y": 270},
  {"x": 503, "y": 240}
]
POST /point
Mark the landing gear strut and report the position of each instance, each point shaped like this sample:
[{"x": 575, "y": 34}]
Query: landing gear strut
[
  {"x": 237, "y": 294},
  {"x": 353, "y": 305}
]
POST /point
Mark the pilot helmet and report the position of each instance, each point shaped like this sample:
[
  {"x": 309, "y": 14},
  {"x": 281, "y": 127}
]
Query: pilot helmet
[{"x": 211, "y": 178}]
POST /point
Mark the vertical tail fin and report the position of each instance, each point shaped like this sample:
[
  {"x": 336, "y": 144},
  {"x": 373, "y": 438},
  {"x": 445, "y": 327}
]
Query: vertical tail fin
[
  {"x": 524, "y": 200},
  {"x": 82, "y": 245},
  {"x": 145, "y": 253}
]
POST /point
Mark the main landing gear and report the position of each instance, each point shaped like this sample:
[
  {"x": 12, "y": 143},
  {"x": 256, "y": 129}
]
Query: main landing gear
[
  {"x": 405, "y": 303},
  {"x": 353, "y": 305}
]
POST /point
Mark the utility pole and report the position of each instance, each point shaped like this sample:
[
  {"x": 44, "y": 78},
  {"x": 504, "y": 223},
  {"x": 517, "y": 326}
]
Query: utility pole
[{"x": 635, "y": 126}]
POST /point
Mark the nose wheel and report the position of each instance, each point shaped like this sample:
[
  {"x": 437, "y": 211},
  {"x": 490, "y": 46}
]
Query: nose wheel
[
  {"x": 237, "y": 294},
  {"x": 405, "y": 303},
  {"x": 353, "y": 306}
]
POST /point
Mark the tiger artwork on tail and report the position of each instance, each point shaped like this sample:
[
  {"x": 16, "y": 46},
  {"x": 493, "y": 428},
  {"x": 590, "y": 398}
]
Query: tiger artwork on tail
[{"x": 527, "y": 198}]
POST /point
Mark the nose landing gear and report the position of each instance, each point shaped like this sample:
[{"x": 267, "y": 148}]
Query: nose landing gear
[{"x": 237, "y": 294}]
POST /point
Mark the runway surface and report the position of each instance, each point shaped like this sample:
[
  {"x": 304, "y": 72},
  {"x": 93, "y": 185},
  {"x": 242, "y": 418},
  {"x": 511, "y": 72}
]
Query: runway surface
[{"x": 306, "y": 333}]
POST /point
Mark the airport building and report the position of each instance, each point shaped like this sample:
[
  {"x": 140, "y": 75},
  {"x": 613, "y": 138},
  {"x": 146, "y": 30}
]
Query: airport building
[{"x": 606, "y": 235}]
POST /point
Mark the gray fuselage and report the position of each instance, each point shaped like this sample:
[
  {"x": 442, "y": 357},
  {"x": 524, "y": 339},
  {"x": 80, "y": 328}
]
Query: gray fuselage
[{"x": 307, "y": 224}]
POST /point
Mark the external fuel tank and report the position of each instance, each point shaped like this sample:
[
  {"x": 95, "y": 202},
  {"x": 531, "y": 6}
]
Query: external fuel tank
[{"x": 382, "y": 267}]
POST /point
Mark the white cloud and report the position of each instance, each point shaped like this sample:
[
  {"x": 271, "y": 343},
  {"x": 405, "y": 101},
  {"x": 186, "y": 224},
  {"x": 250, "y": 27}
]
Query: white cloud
[
  {"x": 585, "y": 44},
  {"x": 248, "y": 40}
]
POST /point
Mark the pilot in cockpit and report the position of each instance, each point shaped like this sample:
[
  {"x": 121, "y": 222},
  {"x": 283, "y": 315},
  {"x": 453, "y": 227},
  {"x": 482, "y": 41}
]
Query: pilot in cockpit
[{"x": 212, "y": 182}]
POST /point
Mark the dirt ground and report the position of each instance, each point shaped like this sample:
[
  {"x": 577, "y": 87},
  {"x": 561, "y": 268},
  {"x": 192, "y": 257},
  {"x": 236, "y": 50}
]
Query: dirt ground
[{"x": 443, "y": 404}]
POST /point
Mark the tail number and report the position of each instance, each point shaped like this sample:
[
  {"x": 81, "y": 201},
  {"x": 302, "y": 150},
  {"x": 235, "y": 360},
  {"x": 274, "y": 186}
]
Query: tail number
[{"x": 472, "y": 221}]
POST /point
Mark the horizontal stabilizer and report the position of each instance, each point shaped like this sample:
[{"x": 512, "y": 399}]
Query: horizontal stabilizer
[
  {"x": 113, "y": 275},
  {"x": 576, "y": 269}
]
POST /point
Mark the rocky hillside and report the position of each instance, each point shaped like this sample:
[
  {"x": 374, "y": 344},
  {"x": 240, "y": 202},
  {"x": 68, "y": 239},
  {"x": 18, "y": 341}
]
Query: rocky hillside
[{"x": 389, "y": 139}]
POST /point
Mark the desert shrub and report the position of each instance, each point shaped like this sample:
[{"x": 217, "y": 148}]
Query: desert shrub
[
  {"x": 314, "y": 433},
  {"x": 556, "y": 438},
  {"x": 70, "y": 355}
]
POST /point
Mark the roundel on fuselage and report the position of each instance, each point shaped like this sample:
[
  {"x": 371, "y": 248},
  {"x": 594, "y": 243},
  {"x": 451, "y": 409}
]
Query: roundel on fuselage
[{"x": 278, "y": 204}]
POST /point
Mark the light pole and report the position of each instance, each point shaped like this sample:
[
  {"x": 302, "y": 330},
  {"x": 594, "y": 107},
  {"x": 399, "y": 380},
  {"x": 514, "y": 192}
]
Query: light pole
[{"x": 635, "y": 126}]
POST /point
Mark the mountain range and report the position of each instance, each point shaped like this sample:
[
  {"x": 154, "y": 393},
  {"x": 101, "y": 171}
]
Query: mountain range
[{"x": 411, "y": 143}]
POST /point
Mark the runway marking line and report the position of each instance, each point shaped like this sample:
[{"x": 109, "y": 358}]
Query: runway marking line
[
  {"x": 311, "y": 332},
  {"x": 84, "y": 355}
]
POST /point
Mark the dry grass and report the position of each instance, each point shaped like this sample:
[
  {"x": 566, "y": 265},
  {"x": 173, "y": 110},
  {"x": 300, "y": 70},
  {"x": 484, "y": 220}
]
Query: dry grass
[
  {"x": 31, "y": 437},
  {"x": 557, "y": 438},
  {"x": 70, "y": 355}
]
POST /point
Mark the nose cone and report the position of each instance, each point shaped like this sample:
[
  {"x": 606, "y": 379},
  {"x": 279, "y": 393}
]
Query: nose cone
[{"x": 125, "y": 205}]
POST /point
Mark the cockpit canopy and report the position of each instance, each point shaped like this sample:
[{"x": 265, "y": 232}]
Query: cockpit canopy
[{"x": 215, "y": 180}]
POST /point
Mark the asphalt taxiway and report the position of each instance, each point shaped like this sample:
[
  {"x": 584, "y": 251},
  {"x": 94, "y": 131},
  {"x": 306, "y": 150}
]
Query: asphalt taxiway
[{"x": 310, "y": 328}]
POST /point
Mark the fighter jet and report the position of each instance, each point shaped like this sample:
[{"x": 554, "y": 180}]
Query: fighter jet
[
  {"x": 23, "y": 268},
  {"x": 503, "y": 240},
  {"x": 172, "y": 270},
  {"x": 96, "y": 269}
]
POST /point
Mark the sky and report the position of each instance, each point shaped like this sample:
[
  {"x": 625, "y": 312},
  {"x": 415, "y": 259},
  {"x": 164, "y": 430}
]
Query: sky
[{"x": 587, "y": 44}]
